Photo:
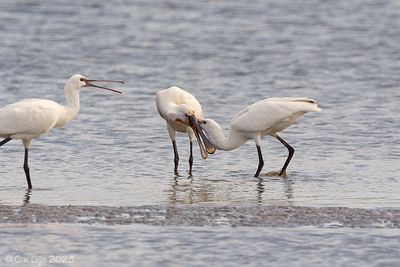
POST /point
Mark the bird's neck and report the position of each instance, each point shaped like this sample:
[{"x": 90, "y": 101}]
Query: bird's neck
[
  {"x": 73, "y": 106},
  {"x": 218, "y": 139}
]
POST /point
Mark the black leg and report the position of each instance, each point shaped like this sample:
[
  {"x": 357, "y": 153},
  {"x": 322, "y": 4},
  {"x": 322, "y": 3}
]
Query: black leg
[
  {"x": 26, "y": 169},
  {"x": 291, "y": 152},
  {"x": 5, "y": 141},
  {"x": 191, "y": 158},
  {"x": 260, "y": 161},
  {"x": 176, "y": 158}
]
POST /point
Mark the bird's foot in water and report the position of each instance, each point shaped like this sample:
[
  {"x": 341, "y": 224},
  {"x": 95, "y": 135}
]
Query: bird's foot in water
[{"x": 277, "y": 173}]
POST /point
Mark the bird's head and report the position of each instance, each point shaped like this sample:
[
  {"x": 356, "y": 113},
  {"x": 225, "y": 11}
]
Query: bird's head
[
  {"x": 209, "y": 125},
  {"x": 201, "y": 137},
  {"x": 186, "y": 115},
  {"x": 181, "y": 114},
  {"x": 78, "y": 81},
  {"x": 212, "y": 130}
]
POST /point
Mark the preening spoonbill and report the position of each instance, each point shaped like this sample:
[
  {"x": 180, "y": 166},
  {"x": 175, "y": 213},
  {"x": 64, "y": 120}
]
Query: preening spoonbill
[
  {"x": 266, "y": 117},
  {"x": 181, "y": 110},
  {"x": 30, "y": 118}
]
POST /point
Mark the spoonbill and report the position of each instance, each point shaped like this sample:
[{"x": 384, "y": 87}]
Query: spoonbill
[
  {"x": 181, "y": 110},
  {"x": 31, "y": 118},
  {"x": 266, "y": 117}
]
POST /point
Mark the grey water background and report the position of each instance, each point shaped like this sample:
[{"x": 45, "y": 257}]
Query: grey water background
[{"x": 229, "y": 54}]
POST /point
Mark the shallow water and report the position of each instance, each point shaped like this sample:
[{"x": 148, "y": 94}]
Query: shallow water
[
  {"x": 81, "y": 245},
  {"x": 229, "y": 54}
]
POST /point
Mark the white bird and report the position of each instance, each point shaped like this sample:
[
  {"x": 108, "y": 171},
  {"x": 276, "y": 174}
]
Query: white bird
[
  {"x": 181, "y": 110},
  {"x": 266, "y": 117},
  {"x": 31, "y": 118}
]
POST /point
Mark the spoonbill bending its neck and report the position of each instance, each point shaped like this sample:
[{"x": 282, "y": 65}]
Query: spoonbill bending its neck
[
  {"x": 266, "y": 117},
  {"x": 30, "y": 118},
  {"x": 181, "y": 110}
]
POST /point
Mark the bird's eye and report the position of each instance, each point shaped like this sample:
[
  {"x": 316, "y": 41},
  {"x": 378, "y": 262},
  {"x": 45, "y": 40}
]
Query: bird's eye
[
  {"x": 204, "y": 122},
  {"x": 82, "y": 80}
]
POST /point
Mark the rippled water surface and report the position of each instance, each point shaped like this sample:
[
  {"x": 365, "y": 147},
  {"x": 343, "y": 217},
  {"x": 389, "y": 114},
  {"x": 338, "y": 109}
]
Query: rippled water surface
[
  {"x": 190, "y": 246},
  {"x": 229, "y": 54}
]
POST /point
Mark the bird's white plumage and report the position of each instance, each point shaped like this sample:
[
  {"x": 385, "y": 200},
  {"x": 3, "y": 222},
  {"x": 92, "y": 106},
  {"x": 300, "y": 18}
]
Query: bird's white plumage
[
  {"x": 175, "y": 105},
  {"x": 172, "y": 103},
  {"x": 169, "y": 100},
  {"x": 272, "y": 115},
  {"x": 265, "y": 117},
  {"x": 29, "y": 117}
]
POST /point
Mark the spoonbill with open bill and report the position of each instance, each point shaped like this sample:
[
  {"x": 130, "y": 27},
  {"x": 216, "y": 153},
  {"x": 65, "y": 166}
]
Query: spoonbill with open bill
[
  {"x": 266, "y": 117},
  {"x": 181, "y": 110},
  {"x": 31, "y": 118}
]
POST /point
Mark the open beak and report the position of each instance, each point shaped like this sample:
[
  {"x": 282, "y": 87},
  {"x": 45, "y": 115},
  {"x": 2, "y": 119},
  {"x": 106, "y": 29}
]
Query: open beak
[
  {"x": 90, "y": 84},
  {"x": 205, "y": 145}
]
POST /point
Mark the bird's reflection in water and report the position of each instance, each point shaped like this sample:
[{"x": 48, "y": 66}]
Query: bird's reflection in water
[
  {"x": 192, "y": 190},
  {"x": 27, "y": 197},
  {"x": 287, "y": 186},
  {"x": 179, "y": 186},
  {"x": 288, "y": 189},
  {"x": 260, "y": 189},
  {"x": 196, "y": 189}
]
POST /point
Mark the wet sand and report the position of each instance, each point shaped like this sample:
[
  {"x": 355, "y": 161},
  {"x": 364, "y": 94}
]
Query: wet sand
[{"x": 256, "y": 216}]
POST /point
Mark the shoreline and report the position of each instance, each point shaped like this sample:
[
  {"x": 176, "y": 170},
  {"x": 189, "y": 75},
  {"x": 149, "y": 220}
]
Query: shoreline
[{"x": 183, "y": 215}]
